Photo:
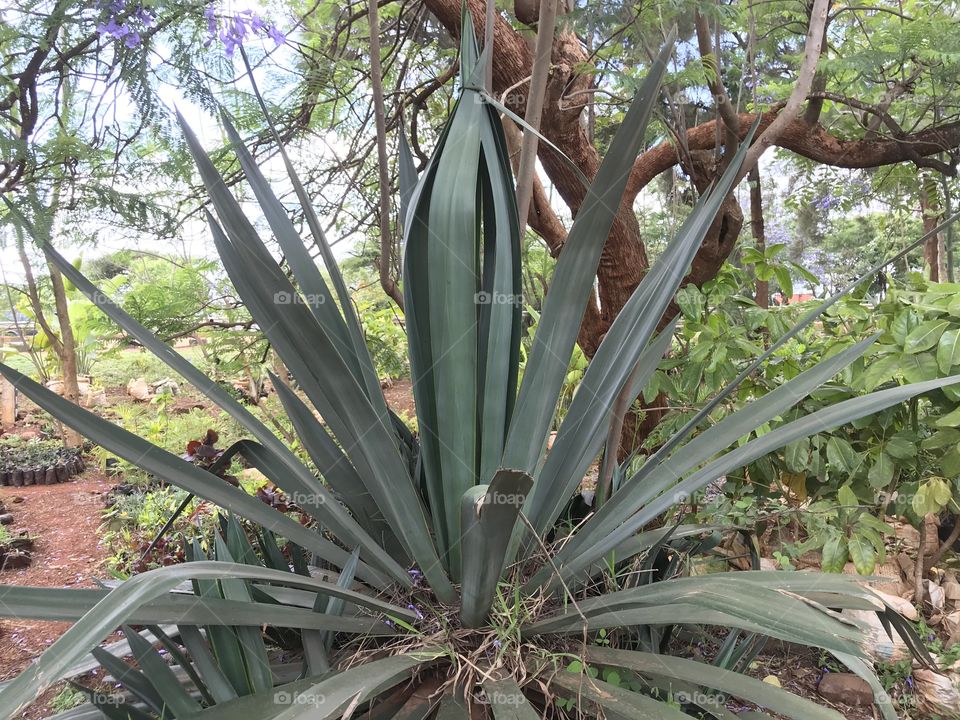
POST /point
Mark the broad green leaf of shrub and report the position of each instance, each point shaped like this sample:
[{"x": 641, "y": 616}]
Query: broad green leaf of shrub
[
  {"x": 919, "y": 367},
  {"x": 900, "y": 447},
  {"x": 931, "y": 497},
  {"x": 863, "y": 554},
  {"x": 881, "y": 472},
  {"x": 880, "y": 371},
  {"x": 834, "y": 554},
  {"x": 948, "y": 350},
  {"x": 796, "y": 455},
  {"x": 903, "y": 324},
  {"x": 841, "y": 455},
  {"x": 925, "y": 336},
  {"x": 950, "y": 420}
]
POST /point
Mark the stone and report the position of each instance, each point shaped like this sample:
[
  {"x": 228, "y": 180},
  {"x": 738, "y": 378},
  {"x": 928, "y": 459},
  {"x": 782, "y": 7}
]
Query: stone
[
  {"x": 91, "y": 397},
  {"x": 845, "y": 688},
  {"x": 139, "y": 389},
  {"x": 17, "y": 499},
  {"x": 909, "y": 536},
  {"x": 6, "y": 519},
  {"x": 166, "y": 385},
  {"x": 904, "y": 607},
  {"x": 15, "y": 559},
  {"x": 951, "y": 622},
  {"x": 936, "y": 695},
  {"x": 31, "y": 434},
  {"x": 934, "y": 596},
  {"x": 877, "y": 643}
]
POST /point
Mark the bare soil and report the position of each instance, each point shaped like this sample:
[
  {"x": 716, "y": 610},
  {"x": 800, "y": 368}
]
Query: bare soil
[{"x": 64, "y": 519}]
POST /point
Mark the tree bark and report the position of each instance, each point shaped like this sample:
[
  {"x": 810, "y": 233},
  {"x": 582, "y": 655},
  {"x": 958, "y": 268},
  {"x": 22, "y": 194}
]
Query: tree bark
[
  {"x": 538, "y": 85},
  {"x": 930, "y": 214},
  {"x": 756, "y": 229},
  {"x": 385, "y": 263},
  {"x": 68, "y": 350}
]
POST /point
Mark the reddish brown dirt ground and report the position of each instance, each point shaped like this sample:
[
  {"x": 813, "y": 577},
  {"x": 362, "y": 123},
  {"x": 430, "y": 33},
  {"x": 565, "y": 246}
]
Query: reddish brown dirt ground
[{"x": 64, "y": 519}]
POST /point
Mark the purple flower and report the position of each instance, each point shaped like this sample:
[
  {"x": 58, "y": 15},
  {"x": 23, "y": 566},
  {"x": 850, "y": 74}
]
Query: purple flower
[
  {"x": 278, "y": 37},
  {"x": 110, "y": 28},
  {"x": 145, "y": 17},
  {"x": 414, "y": 573},
  {"x": 211, "y": 20},
  {"x": 256, "y": 23},
  {"x": 230, "y": 43},
  {"x": 416, "y": 610},
  {"x": 132, "y": 40}
]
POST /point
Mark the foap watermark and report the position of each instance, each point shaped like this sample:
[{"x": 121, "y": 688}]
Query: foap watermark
[
  {"x": 497, "y": 697},
  {"x": 308, "y": 697},
  {"x": 302, "y": 498},
  {"x": 515, "y": 101},
  {"x": 288, "y": 298},
  {"x": 497, "y": 298},
  {"x": 701, "y": 699},
  {"x": 501, "y": 498}
]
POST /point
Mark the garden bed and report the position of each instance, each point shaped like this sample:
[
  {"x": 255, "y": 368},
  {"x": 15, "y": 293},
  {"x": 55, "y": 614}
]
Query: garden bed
[{"x": 37, "y": 462}]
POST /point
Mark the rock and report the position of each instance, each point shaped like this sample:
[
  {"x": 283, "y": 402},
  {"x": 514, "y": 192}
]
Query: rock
[
  {"x": 138, "y": 389},
  {"x": 165, "y": 386},
  {"x": 951, "y": 622},
  {"x": 845, "y": 688},
  {"x": 6, "y": 519},
  {"x": 91, "y": 397},
  {"x": 15, "y": 559},
  {"x": 936, "y": 695},
  {"x": 31, "y": 434},
  {"x": 904, "y": 607},
  {"x": 934, "y": 596},
  {"x": 17, "y": 499},
  {"x": 55, "y": 386},
  {"x": 878, "y": 645},
  {"x": 908, "y": 536}
]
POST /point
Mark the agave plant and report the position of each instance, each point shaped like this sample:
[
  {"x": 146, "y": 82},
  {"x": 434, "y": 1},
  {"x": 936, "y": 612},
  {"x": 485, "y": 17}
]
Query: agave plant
[{"x": 440, "y": 578}]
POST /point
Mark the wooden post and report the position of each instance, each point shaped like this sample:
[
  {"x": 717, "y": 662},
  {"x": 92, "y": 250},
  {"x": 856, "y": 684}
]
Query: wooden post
[{"x": 8, "y": 404}]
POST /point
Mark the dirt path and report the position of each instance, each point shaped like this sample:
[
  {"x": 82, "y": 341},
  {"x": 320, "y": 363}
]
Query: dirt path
[{"x": 64, "y": 519}]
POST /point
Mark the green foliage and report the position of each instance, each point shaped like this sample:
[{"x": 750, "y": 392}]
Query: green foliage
[
  {"x": 434, "y": 521},
  {"x": 168, "y": 296}
]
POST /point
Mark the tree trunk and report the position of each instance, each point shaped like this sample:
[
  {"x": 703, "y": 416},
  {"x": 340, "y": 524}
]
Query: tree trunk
[
  {"x": 67, "y": 351},
  {"x": 930, "y": 213},
  {"x": 756, "y": 229}
]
